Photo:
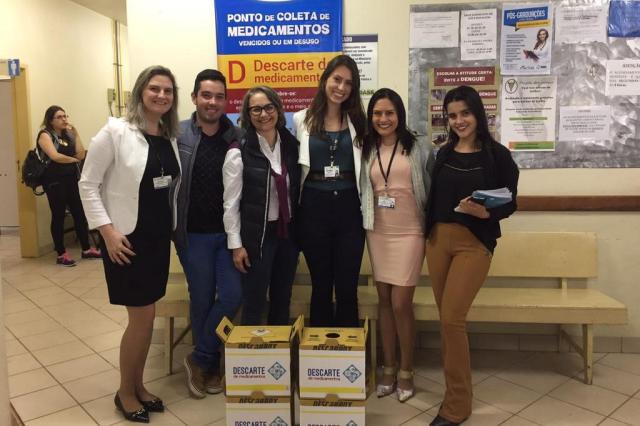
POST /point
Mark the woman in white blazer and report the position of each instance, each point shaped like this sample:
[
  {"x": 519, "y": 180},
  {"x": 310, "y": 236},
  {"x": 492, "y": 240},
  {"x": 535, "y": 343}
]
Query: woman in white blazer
[
  {"x": 129, "y": 173},
  {"x": 330, "y": 229}
]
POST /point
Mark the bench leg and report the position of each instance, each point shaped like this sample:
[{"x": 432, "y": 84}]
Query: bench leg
[
  {"x": 373, "y": 335},
  {"x": 168, "y": 345},
  {"x": 587, "y": 352}
]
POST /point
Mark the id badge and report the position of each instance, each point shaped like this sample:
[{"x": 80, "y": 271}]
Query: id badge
[
  {"x": 386, "y": 202},
  {"x": 331, "y": 171},
  {"x": 161, "y": 182}
]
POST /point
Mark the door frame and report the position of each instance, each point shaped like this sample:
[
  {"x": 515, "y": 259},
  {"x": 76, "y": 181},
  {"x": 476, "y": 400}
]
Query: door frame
[{"x": 27, "y": 209}]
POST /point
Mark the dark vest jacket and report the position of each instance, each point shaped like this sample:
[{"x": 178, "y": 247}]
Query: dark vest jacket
[{"x": 256, "y": 179}]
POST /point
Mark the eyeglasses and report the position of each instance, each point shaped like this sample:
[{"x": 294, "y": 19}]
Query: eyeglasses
[
  {"x": 61, "y": 117},
  {"x": 257, "y": 110}
]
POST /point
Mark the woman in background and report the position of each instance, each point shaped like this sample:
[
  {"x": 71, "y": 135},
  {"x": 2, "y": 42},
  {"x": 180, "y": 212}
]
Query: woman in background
[
  {"x": 61, "y": 144},
  {"x": 126, "y": 181},
  {"x": 261, "y": 179},
  {"x": 395, "y": 182},
  {"x": 330, "y": 230},
  {"x": 462, "y": 235}
]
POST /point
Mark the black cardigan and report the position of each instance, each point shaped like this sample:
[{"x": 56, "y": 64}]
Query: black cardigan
[{"x": 499, "y": 171}]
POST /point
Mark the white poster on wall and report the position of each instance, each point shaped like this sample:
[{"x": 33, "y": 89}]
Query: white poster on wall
[
  {"x": 429, "y": 30},
  {"x": 623, "y": 78},
  {"x": 478, "y": 34},
  {"x": 529, "y": 113},
  {"x": 363, "y": 48},
  {"x": 525, "y": 44},
  {"x": 584, "y": 123},
  {"x": 581, "y": 24}
]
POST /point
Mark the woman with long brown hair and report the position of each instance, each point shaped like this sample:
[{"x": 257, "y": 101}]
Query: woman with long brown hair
[
  {"x": 462, "y": 233},
  {"x": 330, "y": 229}
]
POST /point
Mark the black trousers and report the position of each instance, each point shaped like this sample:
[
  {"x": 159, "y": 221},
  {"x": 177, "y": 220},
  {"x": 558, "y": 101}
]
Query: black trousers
[
  {"x": 332, "y": 240},
  {"x": 275, "y": 270},
  {"x": 61, "y": 192}
]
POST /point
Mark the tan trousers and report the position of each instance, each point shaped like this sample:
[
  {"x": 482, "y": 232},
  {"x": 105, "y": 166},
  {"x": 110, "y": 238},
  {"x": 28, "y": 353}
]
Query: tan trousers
[{"x": 458, "y": 265}]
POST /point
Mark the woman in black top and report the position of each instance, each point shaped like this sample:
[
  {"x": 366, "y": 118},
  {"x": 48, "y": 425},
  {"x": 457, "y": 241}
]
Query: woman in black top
[
  {"x": 329, "y": 222},
  {"x": 462, "y": 234},
  {"x": 61, "y": 144},
  {"x": 126, "y": 183}
]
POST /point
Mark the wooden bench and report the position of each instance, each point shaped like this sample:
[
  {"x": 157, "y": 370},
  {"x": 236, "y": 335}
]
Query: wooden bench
[{"x": 559, "y": 256}]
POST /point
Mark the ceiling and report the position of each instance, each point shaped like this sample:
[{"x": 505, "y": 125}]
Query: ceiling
[{"x": 116, "y": 9}]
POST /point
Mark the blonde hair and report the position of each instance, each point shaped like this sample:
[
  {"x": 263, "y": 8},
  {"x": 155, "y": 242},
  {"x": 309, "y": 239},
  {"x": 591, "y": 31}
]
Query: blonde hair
[{"x": 169, "y": 123}]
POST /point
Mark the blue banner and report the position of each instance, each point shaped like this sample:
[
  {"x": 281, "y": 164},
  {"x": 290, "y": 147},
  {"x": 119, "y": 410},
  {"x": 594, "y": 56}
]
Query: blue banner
[
  {"x": 624, "y": 18},
  {"x": 525, "y": 17},
  {"x": 251, "y": 26}
]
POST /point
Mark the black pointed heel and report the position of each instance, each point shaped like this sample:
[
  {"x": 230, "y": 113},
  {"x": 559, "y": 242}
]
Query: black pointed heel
[{"x": 138, "y": 416}]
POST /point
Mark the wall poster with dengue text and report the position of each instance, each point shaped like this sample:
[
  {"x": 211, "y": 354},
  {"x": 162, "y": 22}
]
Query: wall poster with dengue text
[
  {"x": 285, "y": 45},
  {"x": 484, "y": 79}
]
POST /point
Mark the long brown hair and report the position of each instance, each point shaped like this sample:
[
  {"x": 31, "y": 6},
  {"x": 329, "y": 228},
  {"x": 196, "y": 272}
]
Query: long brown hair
[{"x": 314, "y": 119}]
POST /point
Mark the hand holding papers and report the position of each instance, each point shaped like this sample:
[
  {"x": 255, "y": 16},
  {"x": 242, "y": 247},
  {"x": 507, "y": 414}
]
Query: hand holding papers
[{"x": 491, "y": 198}]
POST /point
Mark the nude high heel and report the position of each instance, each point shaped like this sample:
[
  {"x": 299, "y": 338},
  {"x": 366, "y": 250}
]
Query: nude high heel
[
  {"x": 405, "y": 394},
  {"x": 384, "y": 390}
]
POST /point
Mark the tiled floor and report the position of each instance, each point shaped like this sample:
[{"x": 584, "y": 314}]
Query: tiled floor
[{"x": 62, "y": 345}]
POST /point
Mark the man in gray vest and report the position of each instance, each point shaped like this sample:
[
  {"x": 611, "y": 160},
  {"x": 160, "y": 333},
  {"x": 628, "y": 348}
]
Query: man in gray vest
[{"x": 201, "y": 243}]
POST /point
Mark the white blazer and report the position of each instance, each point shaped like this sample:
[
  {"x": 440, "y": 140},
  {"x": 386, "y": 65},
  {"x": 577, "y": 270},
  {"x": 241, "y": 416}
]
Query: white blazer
[
  {"x": 111, "y": 176},
  {"x": 302, "y": 134}
]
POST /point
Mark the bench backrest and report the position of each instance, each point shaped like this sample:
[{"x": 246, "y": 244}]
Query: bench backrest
[
  {"x": 519, "y": 254},
  {"x": 529, "y": 255}
]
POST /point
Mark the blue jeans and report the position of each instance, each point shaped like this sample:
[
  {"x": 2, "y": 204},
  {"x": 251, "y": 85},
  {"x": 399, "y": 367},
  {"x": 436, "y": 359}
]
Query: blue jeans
[{"x": 209, "y": 268}]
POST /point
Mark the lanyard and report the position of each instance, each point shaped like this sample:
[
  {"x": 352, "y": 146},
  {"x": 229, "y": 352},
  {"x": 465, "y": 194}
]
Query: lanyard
[
  {"x": 385, "y": 176},
  {"x": 333, "y": 145},
  {"x": 153, "y": 147}
]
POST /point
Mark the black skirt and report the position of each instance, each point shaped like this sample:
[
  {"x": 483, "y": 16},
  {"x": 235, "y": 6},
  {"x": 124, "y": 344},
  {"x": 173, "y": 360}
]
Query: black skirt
[{"x": 144, "y": 281}]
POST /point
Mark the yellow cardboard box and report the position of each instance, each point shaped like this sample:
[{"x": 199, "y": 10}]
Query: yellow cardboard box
[
  {"x": 259, "y": 410},
  {"x": 333, "y": 363},
  {"x": 258, "y": 358},
  {"x": 334, "y": 412}
]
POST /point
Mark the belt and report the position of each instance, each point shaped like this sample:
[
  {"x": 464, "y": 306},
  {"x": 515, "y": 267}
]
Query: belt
[{"x": 319, "y": 177}]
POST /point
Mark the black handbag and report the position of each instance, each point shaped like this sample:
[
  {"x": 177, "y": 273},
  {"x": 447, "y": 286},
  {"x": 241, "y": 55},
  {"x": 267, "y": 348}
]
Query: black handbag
[{"x": 34, "y": 166}]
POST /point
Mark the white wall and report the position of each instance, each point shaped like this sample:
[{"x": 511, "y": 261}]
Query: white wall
[
  {"x": 177, "y": 34},
  {"x": 181, "y": 35},
  {"x": 68, "y": 51}
]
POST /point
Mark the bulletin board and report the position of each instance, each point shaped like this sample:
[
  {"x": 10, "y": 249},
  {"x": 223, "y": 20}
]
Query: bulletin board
[{"x": 580, "y": 73}]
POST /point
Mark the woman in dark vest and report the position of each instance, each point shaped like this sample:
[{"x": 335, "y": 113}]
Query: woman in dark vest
[
  {"x": 61, "y": 144},
  {"x": 261, "y": 178}
]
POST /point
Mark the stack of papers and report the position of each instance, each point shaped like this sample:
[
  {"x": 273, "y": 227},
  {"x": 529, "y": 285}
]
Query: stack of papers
[{"x": 491, "y": 198}]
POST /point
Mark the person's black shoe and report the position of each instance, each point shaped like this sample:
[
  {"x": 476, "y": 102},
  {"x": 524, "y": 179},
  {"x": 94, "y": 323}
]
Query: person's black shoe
[
  {"x": 441, "y": 421},
  {"x": 154, "y": 406},
  {"x": 138, "y": 416}
]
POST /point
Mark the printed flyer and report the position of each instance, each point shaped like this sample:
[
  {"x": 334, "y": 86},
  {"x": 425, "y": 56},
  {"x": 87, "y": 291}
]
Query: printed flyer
[
  {"x": 525, "y": 45},
  {"x": 478, "y": 34},
  {"x": 484, "y": 79},
  {"x": 285, "y": 45},
  {"x": 528, "y": 118},
  {"x": 363, "y": 48}
]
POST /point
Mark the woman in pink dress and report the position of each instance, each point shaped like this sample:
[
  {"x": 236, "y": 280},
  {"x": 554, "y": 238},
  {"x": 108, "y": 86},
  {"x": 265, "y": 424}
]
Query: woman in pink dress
[{"x": 394, "y": 183}]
